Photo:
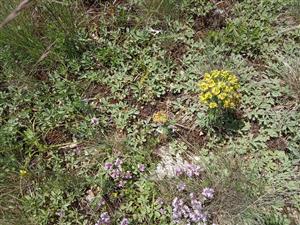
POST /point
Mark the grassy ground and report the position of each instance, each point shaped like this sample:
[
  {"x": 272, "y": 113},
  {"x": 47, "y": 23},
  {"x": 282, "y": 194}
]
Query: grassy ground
[{"x": 101, "y": 120}]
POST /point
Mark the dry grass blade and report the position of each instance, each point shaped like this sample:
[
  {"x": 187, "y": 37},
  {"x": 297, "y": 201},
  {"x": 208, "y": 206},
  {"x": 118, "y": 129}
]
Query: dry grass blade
[
  {"x": 15, "y": 12},
  {"x": 290, "y": 29},
  {"x": 46, "y": 53}
]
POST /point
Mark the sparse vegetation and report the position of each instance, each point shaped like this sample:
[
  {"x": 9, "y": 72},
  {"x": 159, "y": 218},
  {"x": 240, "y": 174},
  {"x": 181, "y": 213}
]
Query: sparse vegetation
[{"x": 101, "y": 123}]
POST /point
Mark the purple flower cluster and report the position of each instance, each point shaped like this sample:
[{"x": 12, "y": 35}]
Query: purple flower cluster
[
  {"x": 192, "y": 211},
  {"x": 115, "y": 171},
  {"x": 188, "y": 169},
  {"x": 104, "y": 219}
]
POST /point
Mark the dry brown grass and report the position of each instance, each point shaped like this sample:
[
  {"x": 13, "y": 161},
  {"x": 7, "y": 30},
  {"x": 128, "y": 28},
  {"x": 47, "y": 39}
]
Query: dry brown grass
[{"x": 291, "y": 75}]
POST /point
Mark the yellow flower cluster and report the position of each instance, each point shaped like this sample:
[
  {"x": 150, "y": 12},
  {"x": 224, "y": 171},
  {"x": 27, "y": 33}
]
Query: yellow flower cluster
[
  {"x": 160, "y": 117},
  {"x": 219, "y": 89}
]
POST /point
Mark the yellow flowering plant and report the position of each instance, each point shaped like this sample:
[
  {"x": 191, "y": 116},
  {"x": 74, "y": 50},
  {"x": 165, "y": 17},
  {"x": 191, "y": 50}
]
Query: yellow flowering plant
[
  {"x": 162, "y": 123},
  {"x": 23, "y": 173},
  {"x": 219, "y": 90},
  {"x": 160, "y": 117}
]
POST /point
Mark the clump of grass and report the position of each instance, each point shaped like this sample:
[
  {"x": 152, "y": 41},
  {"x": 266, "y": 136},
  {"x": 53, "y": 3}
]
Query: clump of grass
[
  {"x": 15, "y": 12},
  {"x": 19, "y": 33},
  {"x": 11, "y": 184},
  {"x": 161, "y": 8},
  {"x": 164, "y": 10},
  {"x": 275, "y": 219},
  {"x": 290, "y": 73},
  {"x": 41, "y": 28},
  {"x": 295, "y": 9}
]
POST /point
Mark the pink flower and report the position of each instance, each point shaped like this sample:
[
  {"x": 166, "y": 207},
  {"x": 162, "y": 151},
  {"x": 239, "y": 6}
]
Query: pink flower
[
  {"x": 108, "y": 166},
  {"x": 122, "y": 183},
  {"x": 141, "y": 167}
]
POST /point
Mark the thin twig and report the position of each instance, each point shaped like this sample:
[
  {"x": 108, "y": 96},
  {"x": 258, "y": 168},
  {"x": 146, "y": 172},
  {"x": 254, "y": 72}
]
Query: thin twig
[{"x": 24, "y": 4}]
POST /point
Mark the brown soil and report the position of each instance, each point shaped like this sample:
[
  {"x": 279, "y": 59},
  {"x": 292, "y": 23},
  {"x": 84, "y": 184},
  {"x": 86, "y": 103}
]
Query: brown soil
[
  {"x": 278, "y": 143},
  {"x": 97, "y": 90},
  {"x": 42, "y": 75},
  {"x": 147, "y": 110},
  {"x": 161, "y": 104},
  {"x": 214, "y": 20},
  {"x": 57, "y": 136},
  {"x": 255, "y": 129},
  {"x": 176, "y": 51},
  {"x": 3, "y": 86},
  {"x": 194, "y": 138}
]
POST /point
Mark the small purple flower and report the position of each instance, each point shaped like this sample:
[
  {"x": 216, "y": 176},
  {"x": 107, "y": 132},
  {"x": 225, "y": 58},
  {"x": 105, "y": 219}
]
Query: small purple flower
[
  {"x": 193, "y": 217},
  {"x": 162, "y": 211},
  {"x": 177, "y": 214},
  {"x": 122, "y": 183},
  {"x": 108, "y": 166},
  {"x": 186, "y": 211},
  {"x": 178, "y": 171},
  {"x": 192, "y": 212},
  {"x": 196, "y": 205},
  {"x": 192, "y": 195},
  {"x": 204, "y": 217},
  {"x": 160, "y": 201},
  {"x": 181, "y": 186},
  {"x": 104, "y": 219},
  {"x": 115, "y": 173},
  {"x": 175, "y": 202},
  {"x": 208, "y": 193},
  {"x": 192, "y": 170},
  {"x": 118, "y": 162},
  {"x": 141, "y": 167},
  {"x": 94, "y": 121},
  {"x": 124, "y": 221},
  {"x": 101, "y": 203},
  {"x": 196, "y": 170},
  {"x": 127, "y": 175}
]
